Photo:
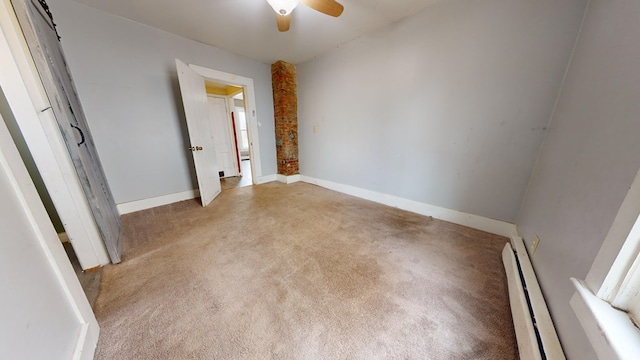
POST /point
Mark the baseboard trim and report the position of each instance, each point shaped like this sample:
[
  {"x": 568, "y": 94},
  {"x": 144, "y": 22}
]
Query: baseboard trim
[
  {"x": 266, "y": 179},
  {"x": 457, "y": 217},
  {"x": 84, "y": 347},
  {"x": 288, "y": 179},
  {"x": 133, "y": 206},
  {"x": 138, "y": 205}
]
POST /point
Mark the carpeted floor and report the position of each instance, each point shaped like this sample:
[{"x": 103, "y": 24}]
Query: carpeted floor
[{"x": 300, "y": 272}]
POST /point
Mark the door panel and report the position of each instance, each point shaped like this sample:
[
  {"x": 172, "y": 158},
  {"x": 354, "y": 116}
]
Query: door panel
[
  {"x": 194, "y": 99},
  {"x": 222, "y": 136},
  {"x": 43, "y": 42}
]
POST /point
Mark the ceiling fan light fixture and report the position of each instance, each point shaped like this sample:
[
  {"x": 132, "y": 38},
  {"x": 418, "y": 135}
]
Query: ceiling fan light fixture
[{"x": 283, "y": 7}]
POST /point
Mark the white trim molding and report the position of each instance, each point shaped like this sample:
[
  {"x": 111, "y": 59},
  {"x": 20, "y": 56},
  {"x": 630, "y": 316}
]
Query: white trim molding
[
  {"x": 137, "y": 205},
  {"x": 612, "y": 276},
  {"x": 50, "y": 262},
  {"x": 288, "y": 179},
  {"x": 143, "y": 204},
  {"x": 610, "y": 331},
  {"x": 253, "y": 123},
  {"x": 266, "y": 179},
  {"x": 457, "y": 217}
]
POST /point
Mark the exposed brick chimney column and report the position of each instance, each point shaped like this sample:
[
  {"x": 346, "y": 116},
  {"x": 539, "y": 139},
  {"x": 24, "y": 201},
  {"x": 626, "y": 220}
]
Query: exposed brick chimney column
[{"x": 285, "y": 111}]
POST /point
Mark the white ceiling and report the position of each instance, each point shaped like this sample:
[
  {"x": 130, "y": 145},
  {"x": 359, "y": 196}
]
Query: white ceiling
[{"x": 248, "y": 27}]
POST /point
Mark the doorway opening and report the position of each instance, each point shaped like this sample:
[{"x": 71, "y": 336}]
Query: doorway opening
[
  {"x": 231, "y": 134},
  {"x": 231, "y": 104}
]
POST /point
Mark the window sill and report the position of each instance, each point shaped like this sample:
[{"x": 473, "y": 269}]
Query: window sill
[{"x": 610, "y": 331}]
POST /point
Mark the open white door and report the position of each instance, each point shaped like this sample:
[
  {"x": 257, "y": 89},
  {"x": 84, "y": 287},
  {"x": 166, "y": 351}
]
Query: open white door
[
  {"x": 223, "y": 135},
  {"x": 196, "y": 110}
]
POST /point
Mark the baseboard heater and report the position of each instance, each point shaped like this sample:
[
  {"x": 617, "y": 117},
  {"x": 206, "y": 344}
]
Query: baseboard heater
[{"x": 535, "y": 333}]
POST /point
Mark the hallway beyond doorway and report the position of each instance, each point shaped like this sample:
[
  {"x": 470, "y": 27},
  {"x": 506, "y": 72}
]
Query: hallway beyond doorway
[{"x": 238, "y": 181}]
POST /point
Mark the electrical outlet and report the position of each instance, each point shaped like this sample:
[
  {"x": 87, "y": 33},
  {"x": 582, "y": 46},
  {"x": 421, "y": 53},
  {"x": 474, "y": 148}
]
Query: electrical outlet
[{"x": 534, "y": 245}]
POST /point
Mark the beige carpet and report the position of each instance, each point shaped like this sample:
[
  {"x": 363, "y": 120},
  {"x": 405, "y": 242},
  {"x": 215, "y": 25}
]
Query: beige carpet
[{"x": 299, "y": 272}]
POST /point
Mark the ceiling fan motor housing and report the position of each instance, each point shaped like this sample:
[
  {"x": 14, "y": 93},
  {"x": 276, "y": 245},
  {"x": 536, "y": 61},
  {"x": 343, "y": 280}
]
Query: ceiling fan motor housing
[{"x": 283, "y": 7}]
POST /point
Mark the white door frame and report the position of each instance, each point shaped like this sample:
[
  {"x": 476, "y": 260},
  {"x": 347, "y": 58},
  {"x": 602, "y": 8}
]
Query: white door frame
[
  {"x": 27, "y": 99},
  {"x": 43, "y": 238},
  {"x": 250, "y": 112}
]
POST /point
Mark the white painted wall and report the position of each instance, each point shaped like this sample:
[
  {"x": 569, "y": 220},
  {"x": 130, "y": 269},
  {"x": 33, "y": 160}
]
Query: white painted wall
[
  {"x": 447, "y": 107},
  {"x": 589, "y": 159},
  {"x": 127, "y": 82}
]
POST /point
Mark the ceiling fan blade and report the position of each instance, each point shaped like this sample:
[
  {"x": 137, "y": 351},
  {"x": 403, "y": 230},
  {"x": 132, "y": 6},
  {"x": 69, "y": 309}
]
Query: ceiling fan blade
[
  {"x": 329, "y": 7},
  {"x": 284, "y": 21}
]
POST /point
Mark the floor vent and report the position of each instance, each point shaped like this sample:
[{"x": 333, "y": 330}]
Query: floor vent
[{"x": 535, "y": 333}]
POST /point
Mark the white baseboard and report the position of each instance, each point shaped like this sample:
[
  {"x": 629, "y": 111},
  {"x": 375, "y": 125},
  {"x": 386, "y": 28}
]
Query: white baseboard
[
  {"x": 288, "y": 179},
  {"x": 137, "y": 205},
  {"x": 133, "y": 206},
  {"x": 457, "y": 217},
  {"x": 266, "y": 179}
]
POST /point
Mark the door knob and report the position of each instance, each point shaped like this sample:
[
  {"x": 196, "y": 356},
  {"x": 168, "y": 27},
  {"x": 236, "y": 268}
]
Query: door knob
[{"x": 195, "y": 148}]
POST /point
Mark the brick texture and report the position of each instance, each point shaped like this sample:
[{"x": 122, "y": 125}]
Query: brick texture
[{"x": 285, "y": 110}]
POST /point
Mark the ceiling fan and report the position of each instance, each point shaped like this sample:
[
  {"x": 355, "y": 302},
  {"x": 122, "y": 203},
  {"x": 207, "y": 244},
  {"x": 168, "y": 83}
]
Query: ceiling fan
[{"x": 283, "y": 9}]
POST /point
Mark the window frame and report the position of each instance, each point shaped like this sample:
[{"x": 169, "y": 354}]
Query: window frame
[{"x": 612, "y": 286}]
